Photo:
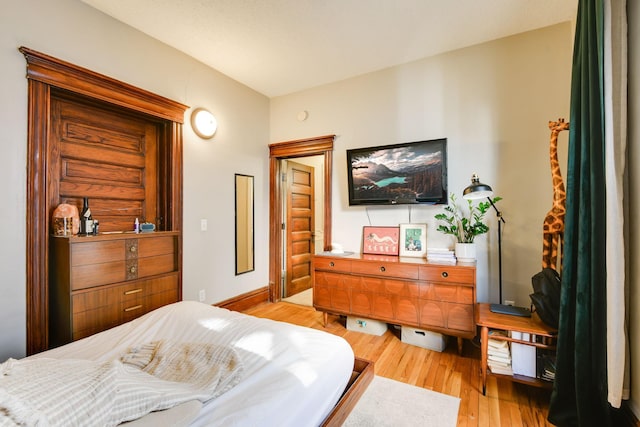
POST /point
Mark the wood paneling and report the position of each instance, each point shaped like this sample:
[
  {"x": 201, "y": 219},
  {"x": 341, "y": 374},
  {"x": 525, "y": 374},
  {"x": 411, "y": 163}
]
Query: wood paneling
[{"x": 50, "y": 79}]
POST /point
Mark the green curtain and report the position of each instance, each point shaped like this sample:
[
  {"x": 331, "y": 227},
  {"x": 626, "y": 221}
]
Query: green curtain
[{"x": 579, "y": 396}]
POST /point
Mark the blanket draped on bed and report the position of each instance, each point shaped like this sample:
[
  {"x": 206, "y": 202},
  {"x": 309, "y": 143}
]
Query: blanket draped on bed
[{"x": 150, "y": 377}]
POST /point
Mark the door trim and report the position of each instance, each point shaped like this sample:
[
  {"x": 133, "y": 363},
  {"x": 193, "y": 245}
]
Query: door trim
[
  {"x": 322, "y": 145},
  {"x": 46, "y": 74}
]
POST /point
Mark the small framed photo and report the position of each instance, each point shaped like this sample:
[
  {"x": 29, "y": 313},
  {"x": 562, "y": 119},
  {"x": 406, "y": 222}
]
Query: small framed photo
[
  {"x": 380, "y": 240},
  {"x": 413, "y": 240}
]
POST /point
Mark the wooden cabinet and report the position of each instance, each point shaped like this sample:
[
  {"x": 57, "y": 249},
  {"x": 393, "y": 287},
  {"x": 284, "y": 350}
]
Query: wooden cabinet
[
  {"x": 404, "y": 291},
  {"x": 98, "y": 282}
]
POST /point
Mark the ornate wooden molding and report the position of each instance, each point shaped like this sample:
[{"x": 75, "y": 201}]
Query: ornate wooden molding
[
  {"x": 45, "y": 74},
  {"x": 58, "y": 73},
  {"x": 321, "y": 145}
]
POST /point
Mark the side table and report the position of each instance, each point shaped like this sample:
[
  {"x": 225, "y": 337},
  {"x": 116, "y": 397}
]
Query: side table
[{"x": 541, "y": 336}]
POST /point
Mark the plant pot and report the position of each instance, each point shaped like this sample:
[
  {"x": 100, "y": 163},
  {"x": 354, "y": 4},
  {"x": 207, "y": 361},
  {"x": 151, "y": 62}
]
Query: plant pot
[{"x": 466, "y": 252}]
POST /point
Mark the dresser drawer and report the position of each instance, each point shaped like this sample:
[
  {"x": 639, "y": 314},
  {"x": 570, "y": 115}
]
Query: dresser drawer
[
  {"x": 447, "y": 274},
  {"x": 155, "y": 246},
  {"x": 447, "y": 292},
  {"x": 96, "y": 252},
  {"x": 384, "y": 269},
  {"x": 96, "y": 274},
  {"x": 160, "y": 264},
  {"x": 332, "y": 264}
]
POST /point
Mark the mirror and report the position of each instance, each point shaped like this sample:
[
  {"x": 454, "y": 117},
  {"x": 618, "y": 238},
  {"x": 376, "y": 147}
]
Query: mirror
[{"x": 244, "y": 224}]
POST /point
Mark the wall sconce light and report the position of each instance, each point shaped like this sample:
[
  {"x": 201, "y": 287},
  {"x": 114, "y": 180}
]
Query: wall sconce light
[{"x": 204, "y": 124}]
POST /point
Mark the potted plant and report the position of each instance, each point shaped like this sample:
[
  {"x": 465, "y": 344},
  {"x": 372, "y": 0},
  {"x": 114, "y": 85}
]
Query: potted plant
[{"x": 465, "y": 225}]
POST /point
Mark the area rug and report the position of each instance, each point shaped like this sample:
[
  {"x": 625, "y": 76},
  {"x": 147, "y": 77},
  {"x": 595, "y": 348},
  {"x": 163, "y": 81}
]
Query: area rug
[
  {"x": 301, "y": 298},
  {"x": 391, "y": 403}
]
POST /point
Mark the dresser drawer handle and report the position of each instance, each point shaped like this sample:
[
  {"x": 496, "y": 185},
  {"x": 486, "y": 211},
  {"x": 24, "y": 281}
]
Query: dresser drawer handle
[
  {"x": 133, "y": 248},
  {"x": 134, "y": 291},
  {"x": 331, "y": 264},
  {"x": 445, "y": 274},
  {"x": 132, "y": 270},
  {"x": 135, "y": 307},
  {"x": 383, "y": 269}
]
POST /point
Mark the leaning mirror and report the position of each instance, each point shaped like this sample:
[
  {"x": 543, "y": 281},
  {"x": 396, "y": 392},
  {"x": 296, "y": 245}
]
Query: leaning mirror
[{"x": 244, "y": 224}]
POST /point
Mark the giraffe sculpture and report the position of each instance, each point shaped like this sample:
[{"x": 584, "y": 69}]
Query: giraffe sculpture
[{"x": 553, "y": 227}]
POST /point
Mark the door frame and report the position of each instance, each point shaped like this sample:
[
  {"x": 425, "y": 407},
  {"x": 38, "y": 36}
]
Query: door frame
[
  {"x": 322, "y": 145},
  {"x": 46, "y": 74}
]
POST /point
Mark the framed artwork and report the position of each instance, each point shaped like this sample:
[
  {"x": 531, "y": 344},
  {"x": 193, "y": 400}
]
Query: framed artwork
[
  {"x": 413, "y": 240},
  {"x": 380, "y": 240}
]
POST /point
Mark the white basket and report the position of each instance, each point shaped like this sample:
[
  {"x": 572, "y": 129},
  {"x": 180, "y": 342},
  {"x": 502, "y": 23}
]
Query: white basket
[
  {"x": 425, "y": 339},
  {"x": 368, "y": 326}
]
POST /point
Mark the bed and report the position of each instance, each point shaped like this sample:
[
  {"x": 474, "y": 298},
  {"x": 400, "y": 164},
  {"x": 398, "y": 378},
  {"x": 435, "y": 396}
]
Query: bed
[{"x": 283, "y": 374}]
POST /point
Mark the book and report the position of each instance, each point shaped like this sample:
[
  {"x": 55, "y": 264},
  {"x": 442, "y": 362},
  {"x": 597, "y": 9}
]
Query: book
[{"x": 500, "y": 370}]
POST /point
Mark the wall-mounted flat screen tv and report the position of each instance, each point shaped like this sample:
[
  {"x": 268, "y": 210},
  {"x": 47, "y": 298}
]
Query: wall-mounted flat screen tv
[{"x": 407, "y": 173}]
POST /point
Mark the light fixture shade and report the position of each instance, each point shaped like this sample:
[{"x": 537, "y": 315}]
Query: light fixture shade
[
  {"x": 204, "y": 124},
  {"x": 477, "y": 190}
]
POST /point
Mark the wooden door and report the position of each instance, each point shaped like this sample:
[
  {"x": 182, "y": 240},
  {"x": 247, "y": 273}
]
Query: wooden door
[
  {"x": 109, "y": 157},
  {"x": 300, "y": 225}
]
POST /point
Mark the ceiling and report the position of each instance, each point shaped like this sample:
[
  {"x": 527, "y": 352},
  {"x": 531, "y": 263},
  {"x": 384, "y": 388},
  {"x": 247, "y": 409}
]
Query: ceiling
[{"x": 277, "y": 47}]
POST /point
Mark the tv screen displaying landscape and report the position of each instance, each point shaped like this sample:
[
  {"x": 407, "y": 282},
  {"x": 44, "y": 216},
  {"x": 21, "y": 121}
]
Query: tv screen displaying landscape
[{"x": 412, "y": 172}]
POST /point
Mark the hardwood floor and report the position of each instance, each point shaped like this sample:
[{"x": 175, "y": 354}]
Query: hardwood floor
[{"x": 506, "y": 404}]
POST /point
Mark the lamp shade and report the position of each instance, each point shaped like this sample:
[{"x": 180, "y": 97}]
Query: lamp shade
[{"x": 477, "y": 190}]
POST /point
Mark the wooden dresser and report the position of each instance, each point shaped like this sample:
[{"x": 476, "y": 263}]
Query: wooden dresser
[
  {"x": 98, "y": 282},
  {"x": 398, "y": 290}
]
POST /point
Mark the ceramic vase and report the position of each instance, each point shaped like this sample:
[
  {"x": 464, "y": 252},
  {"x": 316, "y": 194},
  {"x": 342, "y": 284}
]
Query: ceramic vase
[{"x": 466, "y": 252}]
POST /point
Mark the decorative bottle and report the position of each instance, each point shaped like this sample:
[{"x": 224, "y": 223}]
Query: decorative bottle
[{"x": 86, "y": 220}]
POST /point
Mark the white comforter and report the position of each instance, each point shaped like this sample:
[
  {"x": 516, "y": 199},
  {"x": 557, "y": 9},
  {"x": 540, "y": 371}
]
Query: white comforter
[{"x": 292, "y": 376}]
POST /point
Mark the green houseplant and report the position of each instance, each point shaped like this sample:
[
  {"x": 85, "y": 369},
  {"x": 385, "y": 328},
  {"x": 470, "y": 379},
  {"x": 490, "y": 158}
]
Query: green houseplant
[{"x": 464, "y": 225}]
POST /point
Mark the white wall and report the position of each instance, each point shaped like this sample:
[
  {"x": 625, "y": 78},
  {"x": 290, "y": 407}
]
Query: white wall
[
  {"x": 492, "y": 101},
  {"x": 633, "y": 156},
  {"x": 77, "y": 33}
]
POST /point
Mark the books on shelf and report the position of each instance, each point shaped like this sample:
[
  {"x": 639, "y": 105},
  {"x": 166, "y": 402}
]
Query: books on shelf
[
  {"x": 499, "y": 354},
  {"x": 546, "y": 365},
  {"x": 441, "y": 255}
]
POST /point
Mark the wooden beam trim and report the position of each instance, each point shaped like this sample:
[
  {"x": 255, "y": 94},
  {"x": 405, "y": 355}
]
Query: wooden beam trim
[
  {"x": 302, "y": 147},
  {"x": 58, "y": 73}
]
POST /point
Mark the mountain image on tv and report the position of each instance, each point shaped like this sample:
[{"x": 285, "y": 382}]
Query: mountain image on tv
[{"x": 403, "y": 174}]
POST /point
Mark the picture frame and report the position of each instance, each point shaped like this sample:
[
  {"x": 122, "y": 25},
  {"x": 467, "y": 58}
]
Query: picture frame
[
  {"x": 413, "y": 240},
  {"x": 380, "y": 240}
]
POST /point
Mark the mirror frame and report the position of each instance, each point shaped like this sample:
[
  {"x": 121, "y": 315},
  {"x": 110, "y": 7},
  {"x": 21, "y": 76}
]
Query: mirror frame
[{"x": 248, "y": 211}]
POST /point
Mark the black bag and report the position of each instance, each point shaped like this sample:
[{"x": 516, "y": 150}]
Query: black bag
[{"x": 546, "y": 296}]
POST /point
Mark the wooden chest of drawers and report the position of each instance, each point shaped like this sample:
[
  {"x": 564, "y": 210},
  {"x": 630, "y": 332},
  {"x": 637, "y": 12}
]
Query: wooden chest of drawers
[
  {"x": 98, "y": 282},
  {"x": 404, "y": 291}
]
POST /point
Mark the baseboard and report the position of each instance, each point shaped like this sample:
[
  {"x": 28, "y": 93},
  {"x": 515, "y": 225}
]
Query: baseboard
[{"x": 245, "y": 301}]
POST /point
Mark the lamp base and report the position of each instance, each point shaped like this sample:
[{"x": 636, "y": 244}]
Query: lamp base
[{"x": 510, "y": 310}]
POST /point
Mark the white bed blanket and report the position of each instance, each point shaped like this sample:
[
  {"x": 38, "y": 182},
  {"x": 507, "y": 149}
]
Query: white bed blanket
[
  {"x": 292, "y": 376},
  {"x": 150, "y": 377}
]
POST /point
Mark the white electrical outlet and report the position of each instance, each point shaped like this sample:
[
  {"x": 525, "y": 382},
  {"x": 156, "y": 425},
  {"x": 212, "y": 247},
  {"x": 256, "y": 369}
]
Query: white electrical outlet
[
  {"x": 201, "y": 295},
  {"x": 203, "y": 225},
  {"x": 509, "y": 302}
]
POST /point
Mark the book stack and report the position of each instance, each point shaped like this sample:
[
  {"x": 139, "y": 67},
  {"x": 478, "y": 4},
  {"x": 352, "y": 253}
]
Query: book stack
[
  {"x": 499, "y": 355},
  {"x": 444, "y": 256},
  {"x": 546, "y": 366}
]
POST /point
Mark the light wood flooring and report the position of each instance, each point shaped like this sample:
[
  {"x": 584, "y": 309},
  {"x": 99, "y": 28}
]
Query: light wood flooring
[{"x": 505, "y": 404}]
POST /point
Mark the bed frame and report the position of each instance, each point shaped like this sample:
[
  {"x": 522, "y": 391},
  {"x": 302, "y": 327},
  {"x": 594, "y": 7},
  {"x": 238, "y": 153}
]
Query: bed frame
[{"x": 361, "y": 377}]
